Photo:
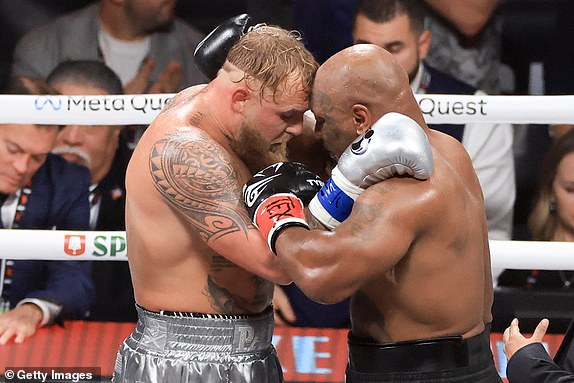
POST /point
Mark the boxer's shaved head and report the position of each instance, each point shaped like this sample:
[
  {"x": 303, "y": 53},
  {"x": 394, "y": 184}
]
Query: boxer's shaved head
[{"x": 369, "y": 75}]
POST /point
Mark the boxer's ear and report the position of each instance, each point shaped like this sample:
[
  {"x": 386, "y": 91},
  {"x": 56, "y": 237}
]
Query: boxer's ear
[
  {"x": 361, "y": 118},
  {"x": 239, "y": 98}
]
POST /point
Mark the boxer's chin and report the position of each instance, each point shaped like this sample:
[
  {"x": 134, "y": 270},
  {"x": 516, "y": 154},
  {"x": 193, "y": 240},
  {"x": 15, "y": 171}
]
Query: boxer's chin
[
  {"x": 255, "y": 151},
  {"x": 279, "y": 151}
]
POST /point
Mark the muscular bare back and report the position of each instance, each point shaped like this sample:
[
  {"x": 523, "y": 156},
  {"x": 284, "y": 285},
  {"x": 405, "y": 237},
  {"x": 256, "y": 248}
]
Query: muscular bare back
[
  {"x": 430, "y": 242},
  {"x": 189, "y": 237}
]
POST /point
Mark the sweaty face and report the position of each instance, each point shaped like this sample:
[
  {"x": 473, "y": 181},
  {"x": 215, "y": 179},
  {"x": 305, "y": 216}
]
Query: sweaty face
[
  {"x": 563, "y": 188},
  {"x": 395, "y": 36},
  {"x": 87, "y": 145},
  {"x": 148, "y": 16},
  {"x": 254, "y": 150},
  {"x": 267, "y": 127},
  {"x": 23, "y": 149},
  {"x": 334, "y": 124}
]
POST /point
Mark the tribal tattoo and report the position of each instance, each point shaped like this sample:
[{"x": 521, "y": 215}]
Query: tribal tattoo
[
  {"x": 227, "y": 302},
  {"x": 196, "y": 178}
]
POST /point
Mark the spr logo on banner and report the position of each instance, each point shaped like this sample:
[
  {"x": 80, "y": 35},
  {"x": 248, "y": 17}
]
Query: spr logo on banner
[
  {"x": 74, "y": 245},
  {"x": 98, "y": 246}
]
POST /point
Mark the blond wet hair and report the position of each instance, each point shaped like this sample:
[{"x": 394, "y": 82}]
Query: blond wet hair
[{"x": 276, "y": 58}]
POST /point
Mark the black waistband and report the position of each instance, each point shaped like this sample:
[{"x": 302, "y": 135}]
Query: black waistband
[{"x": 436, "y": 354}]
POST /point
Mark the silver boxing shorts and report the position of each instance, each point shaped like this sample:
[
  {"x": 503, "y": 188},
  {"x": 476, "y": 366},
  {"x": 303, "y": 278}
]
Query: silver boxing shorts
[{"x": 193, "y": 348}]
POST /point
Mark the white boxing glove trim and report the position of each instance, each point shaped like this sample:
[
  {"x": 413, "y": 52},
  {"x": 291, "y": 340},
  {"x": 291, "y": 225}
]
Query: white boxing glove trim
[
  {"x": 283, "y": 224},
  {"x": 322, "y": 215},
  {"x": 334, "y": 202}
]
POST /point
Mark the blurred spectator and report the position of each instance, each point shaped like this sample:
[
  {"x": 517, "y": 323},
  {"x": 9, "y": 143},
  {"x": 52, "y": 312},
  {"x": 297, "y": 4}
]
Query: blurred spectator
[
  {"x": 142, "y": 41},
  {"x": 558, "y": 130},
  {"x": 274, "y": 12},
  {"x": 466, "y": 41},
  {"x": 102, "y": 150},
  {"x": 552, "y": 217},
  {"x": 528, "y": 360},
  {"x": 398, "y": 26},
  {"x": 324, "y": 24},
  {"x": 559, "y": 54},
  {"x": 40, "y": 191}
]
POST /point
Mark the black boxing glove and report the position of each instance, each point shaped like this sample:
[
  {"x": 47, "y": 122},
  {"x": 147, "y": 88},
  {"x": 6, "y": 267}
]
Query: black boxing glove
[
  {"x": 276, "y": 196},
  {"x": 211, "y": 52}
]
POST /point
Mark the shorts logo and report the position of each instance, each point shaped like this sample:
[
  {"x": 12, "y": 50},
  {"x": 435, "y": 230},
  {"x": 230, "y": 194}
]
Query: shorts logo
[
  {"x": 361, "y": 145},
  {"x": 41, "y": 102},
  {"x": 74, "y": 245}
]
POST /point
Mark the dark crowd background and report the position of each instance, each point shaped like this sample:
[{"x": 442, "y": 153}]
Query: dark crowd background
[
  {"x": 537, "y": 48},
  {"x": 529, "y": 26}
]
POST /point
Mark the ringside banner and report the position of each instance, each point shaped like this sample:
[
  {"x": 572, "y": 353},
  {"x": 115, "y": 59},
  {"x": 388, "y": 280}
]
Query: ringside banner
[
  {"x": 141, "y": 109},
  {"x": 112, "y": 245},
  {"x": 64, "y": 245}
]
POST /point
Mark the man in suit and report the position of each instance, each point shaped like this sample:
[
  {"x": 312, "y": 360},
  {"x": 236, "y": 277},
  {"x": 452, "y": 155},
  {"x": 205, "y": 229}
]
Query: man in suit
[
  {"x": 103, "y": 151},
  {"x": 528, "y": 360},
  {"x": 39, "y": 191}
]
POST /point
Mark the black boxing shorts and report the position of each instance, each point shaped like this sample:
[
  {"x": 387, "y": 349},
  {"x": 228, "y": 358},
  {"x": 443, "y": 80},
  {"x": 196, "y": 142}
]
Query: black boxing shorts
[{"x": 445, "y": 359}]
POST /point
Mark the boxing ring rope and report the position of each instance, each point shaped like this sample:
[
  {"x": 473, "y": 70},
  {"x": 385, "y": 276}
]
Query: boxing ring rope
[
  {"x": 142, "y": 109},
  {"x": 111, "y": 246}
]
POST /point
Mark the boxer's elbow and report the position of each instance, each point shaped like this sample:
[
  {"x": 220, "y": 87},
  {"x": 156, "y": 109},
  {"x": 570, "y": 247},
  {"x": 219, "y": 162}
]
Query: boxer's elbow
[
  {"x": 321, "y": 287},
  {"x": 275, "y": 273}
]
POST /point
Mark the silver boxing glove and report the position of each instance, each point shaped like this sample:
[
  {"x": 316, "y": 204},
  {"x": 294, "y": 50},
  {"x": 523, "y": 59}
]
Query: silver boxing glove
[{"x": 395, "y": 145}]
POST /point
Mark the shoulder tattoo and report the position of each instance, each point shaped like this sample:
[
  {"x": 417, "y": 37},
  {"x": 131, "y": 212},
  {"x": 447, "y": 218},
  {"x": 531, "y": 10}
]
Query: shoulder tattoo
[{"x": 195, "y": 177}]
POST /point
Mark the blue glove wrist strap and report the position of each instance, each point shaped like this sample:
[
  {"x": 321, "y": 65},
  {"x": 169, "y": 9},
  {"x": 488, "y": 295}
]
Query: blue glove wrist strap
[{"x": 335, "y": 201}]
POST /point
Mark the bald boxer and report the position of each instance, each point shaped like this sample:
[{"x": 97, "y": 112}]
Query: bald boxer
[
  {"x": 413, "y": 253},
  {"x": 202, "y": 274}
]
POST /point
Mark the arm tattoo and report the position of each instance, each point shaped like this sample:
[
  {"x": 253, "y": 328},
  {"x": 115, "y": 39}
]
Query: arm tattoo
[{"x": 195, "y": 177}]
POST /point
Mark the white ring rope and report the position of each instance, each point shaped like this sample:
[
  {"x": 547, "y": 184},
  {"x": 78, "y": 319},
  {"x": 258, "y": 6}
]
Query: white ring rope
[
  {"x": 111, "y": 246},
  {"x": 141, "y": 109}
]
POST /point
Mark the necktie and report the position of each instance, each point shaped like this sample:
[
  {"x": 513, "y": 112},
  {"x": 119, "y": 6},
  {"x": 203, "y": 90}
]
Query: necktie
[{"x": 2, "y": 200}]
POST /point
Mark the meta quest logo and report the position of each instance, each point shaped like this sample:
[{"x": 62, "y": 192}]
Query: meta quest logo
[
  {"x": 97, "y": 246},
  {"x": 140, "y": 103},
  {"x": 42, "y": 101}
]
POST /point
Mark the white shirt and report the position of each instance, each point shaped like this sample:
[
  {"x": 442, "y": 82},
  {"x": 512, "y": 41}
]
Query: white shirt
[
  {"x": 490, "y": 148},
  {"x": 123, "y": 57}
]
